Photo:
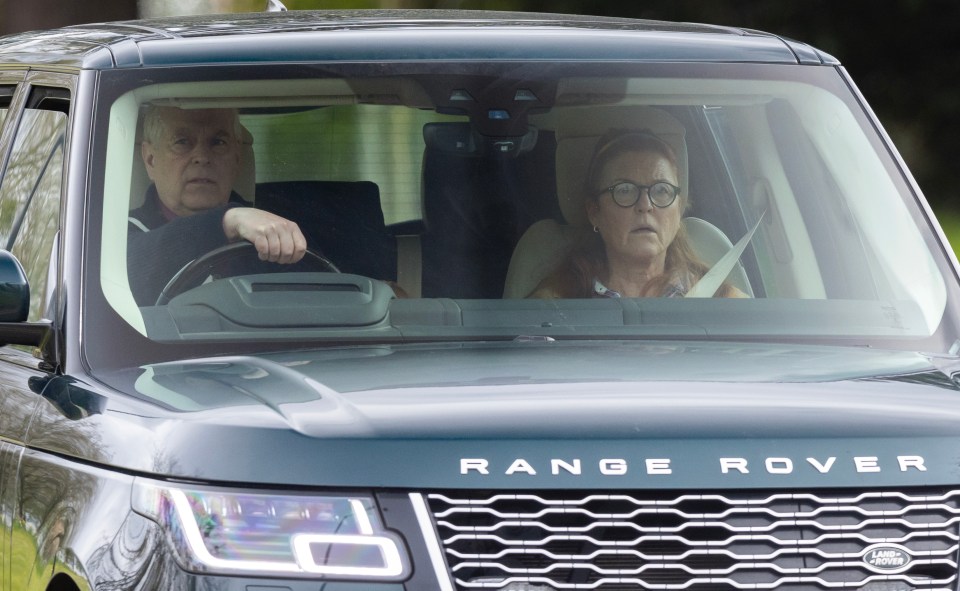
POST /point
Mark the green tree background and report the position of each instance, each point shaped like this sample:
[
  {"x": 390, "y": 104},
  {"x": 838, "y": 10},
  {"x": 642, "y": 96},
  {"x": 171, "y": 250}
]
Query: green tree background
[{"x": 904, "y": 55}]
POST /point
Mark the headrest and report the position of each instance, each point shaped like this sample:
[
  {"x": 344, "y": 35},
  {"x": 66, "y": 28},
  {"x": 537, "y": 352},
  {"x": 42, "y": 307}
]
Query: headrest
[
  {"x": 337, "y": 205},
  {"x": 577, "y": 137},
  {"x": 246, "y": 183},
  {"x": 342, "y": 219}
]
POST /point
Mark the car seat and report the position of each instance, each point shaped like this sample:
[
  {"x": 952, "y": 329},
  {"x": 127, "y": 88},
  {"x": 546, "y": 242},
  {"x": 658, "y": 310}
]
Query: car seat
[
  {"x": 475, "y": 209},
  {"x": 343, "y": 220}
]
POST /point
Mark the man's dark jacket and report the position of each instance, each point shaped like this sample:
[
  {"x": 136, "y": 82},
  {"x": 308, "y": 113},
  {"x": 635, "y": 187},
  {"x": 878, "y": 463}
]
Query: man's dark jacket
[{"x": 157, "y": 248}]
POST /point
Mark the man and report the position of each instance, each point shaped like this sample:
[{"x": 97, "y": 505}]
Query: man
[{"x": 193, "y": 159}]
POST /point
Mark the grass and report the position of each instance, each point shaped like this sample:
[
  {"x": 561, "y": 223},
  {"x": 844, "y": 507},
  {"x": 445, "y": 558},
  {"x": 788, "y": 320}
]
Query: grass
[
  {"x": 27, "y": 572},
  {"x": 950, "y": 221}
]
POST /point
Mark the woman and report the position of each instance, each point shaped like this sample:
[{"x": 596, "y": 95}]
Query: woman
[{"x": 638, "y": 247}]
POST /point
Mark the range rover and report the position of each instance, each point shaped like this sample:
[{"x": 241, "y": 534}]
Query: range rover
[{"x": 401, "y": 410}]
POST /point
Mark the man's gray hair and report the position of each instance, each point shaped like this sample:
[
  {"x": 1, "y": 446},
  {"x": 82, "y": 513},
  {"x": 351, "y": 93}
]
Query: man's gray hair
[{"x": 154, "y": 123}]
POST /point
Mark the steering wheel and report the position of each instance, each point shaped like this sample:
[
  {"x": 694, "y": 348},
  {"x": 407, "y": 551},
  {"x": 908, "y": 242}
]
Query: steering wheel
[{"x": 196, "y": 271}]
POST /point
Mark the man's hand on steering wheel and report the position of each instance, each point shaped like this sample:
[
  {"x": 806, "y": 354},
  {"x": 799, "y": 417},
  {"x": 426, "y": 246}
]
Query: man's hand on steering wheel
[{"x": 276, "y": 239}]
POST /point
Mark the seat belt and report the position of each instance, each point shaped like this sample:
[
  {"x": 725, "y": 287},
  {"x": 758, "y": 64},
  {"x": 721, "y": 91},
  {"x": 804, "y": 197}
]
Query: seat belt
[
  {"x": 409, "y": 266},
  {"x": 714, "y": 278}
]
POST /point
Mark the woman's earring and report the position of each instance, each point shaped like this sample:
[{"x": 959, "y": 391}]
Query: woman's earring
[{"x": 596, "y": 230}]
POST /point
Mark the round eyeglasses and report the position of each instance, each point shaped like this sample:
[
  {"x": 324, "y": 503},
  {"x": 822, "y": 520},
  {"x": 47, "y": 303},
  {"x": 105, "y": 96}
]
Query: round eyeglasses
[{"x": 626, "y": 194}]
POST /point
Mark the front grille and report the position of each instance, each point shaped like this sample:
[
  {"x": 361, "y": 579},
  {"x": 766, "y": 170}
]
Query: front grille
[{"x": 551, "y": 541}]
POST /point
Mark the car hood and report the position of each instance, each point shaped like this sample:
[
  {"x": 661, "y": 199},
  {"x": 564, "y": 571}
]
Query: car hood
[{"x": 535, "y": 414}]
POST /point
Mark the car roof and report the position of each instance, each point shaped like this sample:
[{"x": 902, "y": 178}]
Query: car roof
[{"x": 392, "y": 35}]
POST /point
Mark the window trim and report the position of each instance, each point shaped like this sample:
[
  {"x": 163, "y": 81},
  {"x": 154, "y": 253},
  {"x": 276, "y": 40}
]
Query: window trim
[
  {"x": 12, "y": 120},
  {"x": 49, "y": 354}
]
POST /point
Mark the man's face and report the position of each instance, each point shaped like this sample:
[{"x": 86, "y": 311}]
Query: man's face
[{"x": 196, "y": 159}]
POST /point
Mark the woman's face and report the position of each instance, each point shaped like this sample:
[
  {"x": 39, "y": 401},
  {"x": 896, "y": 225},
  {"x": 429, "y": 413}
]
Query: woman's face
[{"x": 639, "y": 234}]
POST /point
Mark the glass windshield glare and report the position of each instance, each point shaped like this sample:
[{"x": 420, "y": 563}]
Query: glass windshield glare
[{"x": 442, "y": 205}]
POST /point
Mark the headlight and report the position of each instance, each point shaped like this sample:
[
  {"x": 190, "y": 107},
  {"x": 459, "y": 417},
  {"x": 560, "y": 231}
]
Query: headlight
[{"x": 233, "y": 532}]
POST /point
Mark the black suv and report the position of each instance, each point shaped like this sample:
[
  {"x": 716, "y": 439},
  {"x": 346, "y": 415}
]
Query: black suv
[{"x": 437, "y": 301}]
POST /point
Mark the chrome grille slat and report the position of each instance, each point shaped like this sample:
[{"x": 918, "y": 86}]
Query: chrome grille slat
[
  {"x": 729, "y": 513},
  {"x": 754, "y": 529},
  {"x": 704, "y": 542},
  {"x": 693, "y": 571},
  {"x": 714, "y": 582},
  {"x": 689, "y": 554},
  {"x": 913, "y": 499},
  {"x": 504, "y": 515},
  {"x": 711, "y": 543}
]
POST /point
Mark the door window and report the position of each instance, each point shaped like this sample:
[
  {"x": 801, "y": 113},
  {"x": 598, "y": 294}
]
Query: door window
[{"x": 30, "y": 190}]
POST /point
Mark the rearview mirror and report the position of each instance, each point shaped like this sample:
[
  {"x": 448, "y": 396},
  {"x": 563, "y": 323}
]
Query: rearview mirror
[{"x": 463, "y": 139}]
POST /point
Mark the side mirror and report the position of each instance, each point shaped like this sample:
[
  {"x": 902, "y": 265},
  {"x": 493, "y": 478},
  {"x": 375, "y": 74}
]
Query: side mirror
[
  {"x": 15, "y": 306},
  {"x": 14, "y": 290}
]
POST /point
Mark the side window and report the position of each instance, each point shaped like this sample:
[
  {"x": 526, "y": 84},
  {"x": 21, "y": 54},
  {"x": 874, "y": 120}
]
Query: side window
[
  {"x": 30, "y": 190},
  {"x": 6, "y": 97},
  {"x": 348, "y": 143}
]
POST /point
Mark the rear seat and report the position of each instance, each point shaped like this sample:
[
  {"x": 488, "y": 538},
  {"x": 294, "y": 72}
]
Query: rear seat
[
  {"x": 475, "y": 210},
  {"x": 343, "y": 220}
]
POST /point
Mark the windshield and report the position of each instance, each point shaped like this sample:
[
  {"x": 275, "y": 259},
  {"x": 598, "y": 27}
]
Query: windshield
[{"x": 479, "y": 201}]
